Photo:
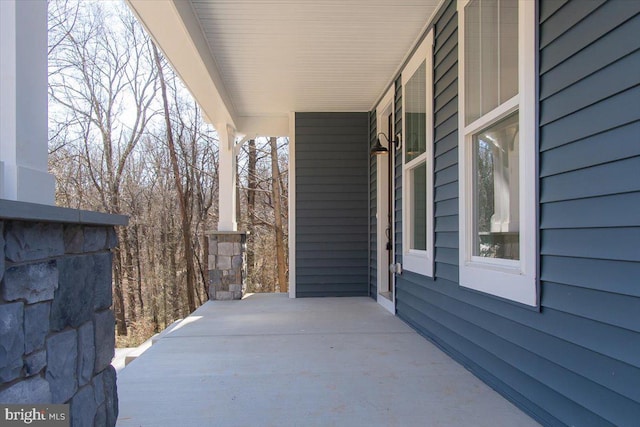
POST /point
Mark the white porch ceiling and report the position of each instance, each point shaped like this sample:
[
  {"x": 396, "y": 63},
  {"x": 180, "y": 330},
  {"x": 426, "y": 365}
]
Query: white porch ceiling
[{"x": 278, "y": 56}]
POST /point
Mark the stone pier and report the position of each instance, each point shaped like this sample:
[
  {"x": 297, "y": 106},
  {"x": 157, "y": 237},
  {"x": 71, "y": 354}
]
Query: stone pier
[
  {"x": 227, "y": 264},
  {"x": 56, "y": 326}
]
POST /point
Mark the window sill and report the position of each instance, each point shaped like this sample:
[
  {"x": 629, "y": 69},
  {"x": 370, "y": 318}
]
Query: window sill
[
  {"x": 418, "y": 262},
  {"x": 508, "y": 283}
]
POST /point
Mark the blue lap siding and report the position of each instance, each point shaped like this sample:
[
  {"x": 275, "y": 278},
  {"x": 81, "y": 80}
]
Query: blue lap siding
[
  {"x": 332, "y": 181},
  {"x": 576, "y": 361},
  {"x": 397, "y": 171}
]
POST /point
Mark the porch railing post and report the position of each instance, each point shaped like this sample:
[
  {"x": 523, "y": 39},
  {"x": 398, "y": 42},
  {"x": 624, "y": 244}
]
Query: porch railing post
[
  {"x": 23, "y": 84},
  {"x": 227, "y": 179}
]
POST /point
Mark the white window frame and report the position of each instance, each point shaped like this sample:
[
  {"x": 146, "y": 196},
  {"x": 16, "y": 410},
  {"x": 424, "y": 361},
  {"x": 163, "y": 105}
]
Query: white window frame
[
  {"x": 513, "y": 280},
  {"x": 418, "y": 261}
]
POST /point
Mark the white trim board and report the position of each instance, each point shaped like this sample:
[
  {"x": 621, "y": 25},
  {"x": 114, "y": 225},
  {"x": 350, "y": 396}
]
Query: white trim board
[
  {"x": 292, "y": 205},
  {"x": 383, "y": 109}
]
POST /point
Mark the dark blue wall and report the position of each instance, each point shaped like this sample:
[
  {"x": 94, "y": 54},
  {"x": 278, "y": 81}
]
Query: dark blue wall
[
  {"x": 397, "y": 171},
  {"x": 577, "y": 360},
  {"x": 332, "y": 181}
]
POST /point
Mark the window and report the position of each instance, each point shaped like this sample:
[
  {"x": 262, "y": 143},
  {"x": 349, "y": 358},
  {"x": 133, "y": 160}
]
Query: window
[
  {"x": 496, "y": 191},
  {"x": 418, "y": 161},
  {"x": 497, "y": 148}
]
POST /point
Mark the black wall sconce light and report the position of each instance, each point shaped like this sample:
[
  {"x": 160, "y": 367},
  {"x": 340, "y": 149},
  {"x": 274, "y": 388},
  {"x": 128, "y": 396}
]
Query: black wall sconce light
[{"x": 380, "y": 149}]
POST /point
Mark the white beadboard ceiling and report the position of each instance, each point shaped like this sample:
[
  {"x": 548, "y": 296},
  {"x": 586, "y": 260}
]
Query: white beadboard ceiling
[
  {"x": 249, "y": 63},
  {"x": 278, "y": 56}
]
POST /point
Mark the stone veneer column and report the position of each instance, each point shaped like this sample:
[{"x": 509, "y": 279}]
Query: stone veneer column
[
  {"x": 227, "y": 264},
  {"x": 57, "y": 335}
]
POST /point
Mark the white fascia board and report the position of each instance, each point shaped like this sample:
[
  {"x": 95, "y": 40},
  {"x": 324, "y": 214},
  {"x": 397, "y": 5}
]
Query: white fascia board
[
  {"x": 254, "y": 126},
  {"x": 177, "y": 32}
]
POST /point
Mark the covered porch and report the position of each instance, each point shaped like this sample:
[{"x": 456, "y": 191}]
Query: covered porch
[
  {"x": 270, "y": 360},
  {"x": 555, "y": 330}
]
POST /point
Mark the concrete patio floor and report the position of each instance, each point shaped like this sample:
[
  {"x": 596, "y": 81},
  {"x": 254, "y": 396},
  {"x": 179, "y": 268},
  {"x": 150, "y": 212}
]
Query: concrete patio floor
[{"x": 268, "y": 360}]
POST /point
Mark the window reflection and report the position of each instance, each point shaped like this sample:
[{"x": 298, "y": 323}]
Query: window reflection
[{"x": 496, "y": 190}]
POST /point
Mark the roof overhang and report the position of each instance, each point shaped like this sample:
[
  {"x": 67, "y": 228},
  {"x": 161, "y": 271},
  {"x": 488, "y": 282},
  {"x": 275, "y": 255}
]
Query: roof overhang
[
  {"x": 176, "y": 31},
  {"x": 249, "y": 63}
]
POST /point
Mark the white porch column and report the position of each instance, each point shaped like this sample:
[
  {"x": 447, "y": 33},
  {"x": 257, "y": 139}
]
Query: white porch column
[
  {"x": 227, "y": 179},
  {"x": 23, "y": 103}
]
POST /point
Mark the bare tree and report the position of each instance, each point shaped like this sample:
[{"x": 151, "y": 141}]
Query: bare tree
[
  {"x": 182, "y": 197},
  {"x": 100, "y": 70},
  {"x": 126, "y": 137},
  {"x": 252, "y": 186},
  {"x": 277, "y": 212}
]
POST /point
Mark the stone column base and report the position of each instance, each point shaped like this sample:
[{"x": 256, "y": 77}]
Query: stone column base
[
  {"x": 227, "y": 265},
  {"x": 57, "y": 334}
]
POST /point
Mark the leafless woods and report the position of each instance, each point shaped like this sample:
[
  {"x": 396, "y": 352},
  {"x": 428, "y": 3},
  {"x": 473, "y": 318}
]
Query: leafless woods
[{"x": 126, "y": 137}]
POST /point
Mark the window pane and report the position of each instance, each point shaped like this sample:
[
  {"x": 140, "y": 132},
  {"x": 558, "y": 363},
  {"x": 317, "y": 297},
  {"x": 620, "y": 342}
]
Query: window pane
[
  {"x": 496, "y": 190},
  {"x": 419, "y": 207},
  {"x": 415, "y": 127},
  {"x": 491, "y": 55},
  {"x": 472, "y": 61}
]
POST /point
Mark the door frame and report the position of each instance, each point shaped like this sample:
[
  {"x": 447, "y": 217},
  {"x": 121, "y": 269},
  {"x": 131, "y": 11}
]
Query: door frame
[{"x": 384, "y": 180}]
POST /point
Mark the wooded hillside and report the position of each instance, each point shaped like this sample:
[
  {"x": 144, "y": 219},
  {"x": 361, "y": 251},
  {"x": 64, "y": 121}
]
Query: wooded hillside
[{"x": 126, "y": 137}]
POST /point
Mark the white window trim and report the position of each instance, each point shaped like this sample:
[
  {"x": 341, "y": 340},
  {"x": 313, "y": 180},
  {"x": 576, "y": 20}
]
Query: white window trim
[
  {"x": 512, "y": 280},
  {"x": 419, "y": 261}
]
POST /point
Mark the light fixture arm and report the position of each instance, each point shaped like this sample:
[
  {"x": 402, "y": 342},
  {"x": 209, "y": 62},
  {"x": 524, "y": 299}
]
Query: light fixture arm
[{"x": 397, "y": 142}]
